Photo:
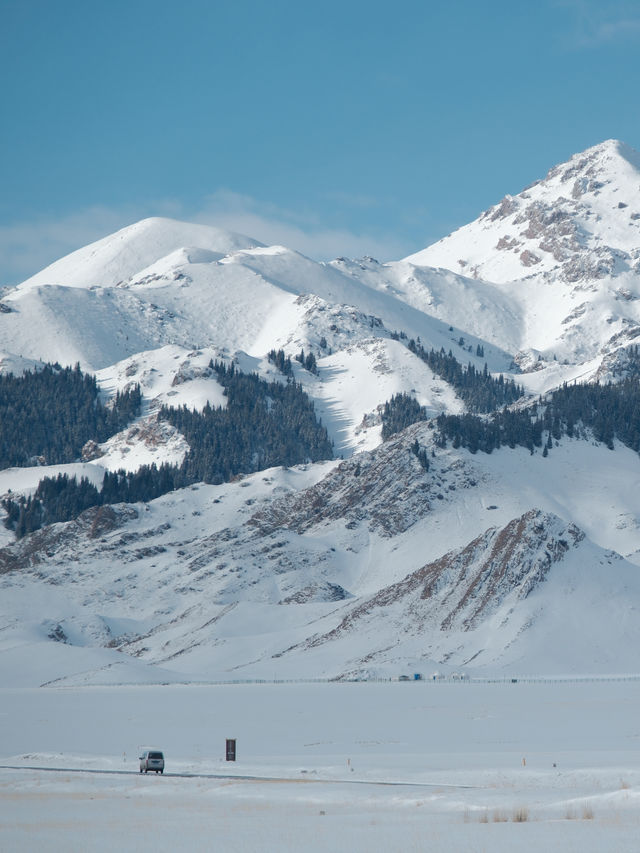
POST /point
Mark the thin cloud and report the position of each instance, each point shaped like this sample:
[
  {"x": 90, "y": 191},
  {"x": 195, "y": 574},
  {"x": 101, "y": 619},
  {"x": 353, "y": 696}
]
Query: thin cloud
[
  {"x": 301, "y": 231},
  {"x": 596, "y": 23},
  {"x": 27, "y": 247},
  {"x": 607, "y": 32},
  {"x": 357, "y": 200}
]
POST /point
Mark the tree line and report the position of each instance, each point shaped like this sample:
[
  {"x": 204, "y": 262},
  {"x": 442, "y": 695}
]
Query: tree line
[
  {"x": 49, "y": 414},
  {"x": 479, "y": 390},
  {"x": 263, "y": 424},
  {"x": 604, "y": 412}
]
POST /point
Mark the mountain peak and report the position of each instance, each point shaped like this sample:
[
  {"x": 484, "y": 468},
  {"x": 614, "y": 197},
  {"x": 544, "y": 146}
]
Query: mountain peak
[
  {"x": 581, "y": 222},
  {"x": 125, "y": 253},
  {"x": 612, "y": 147},
  {"x": 611, "y": 157}
]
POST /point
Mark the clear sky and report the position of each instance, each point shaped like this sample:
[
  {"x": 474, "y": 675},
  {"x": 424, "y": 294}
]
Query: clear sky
[{"x": 335, "y": 128}]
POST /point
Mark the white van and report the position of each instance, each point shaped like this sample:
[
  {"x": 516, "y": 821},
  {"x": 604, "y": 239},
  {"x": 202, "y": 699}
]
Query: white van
[{"x": 152, "y": 759}]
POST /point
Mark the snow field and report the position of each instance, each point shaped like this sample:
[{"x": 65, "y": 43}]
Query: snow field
[
  {"x": 357, "y": 767},
  {"x": 228, "y": 623}
]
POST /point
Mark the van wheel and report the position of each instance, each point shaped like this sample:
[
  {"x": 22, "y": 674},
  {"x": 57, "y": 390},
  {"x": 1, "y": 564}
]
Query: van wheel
[{"x": 161, "y": 772}]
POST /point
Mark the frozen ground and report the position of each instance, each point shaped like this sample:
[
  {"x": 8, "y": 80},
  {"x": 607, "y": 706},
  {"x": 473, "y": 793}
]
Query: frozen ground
[{"x": 353, "y": 767}]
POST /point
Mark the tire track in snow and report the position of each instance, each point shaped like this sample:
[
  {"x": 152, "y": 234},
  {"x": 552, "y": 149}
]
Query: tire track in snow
[{"x": 241, "y": 777}]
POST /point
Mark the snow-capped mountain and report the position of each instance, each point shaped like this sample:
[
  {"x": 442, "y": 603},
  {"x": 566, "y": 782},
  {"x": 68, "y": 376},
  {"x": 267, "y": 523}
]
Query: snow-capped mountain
[
  {"x": 242, "y": 305},
  {"x": 566, "y": 251},
  {"x": 385, "y": 558},
  {"x": 581, "y": 222},
  {"x": 119, "y": 257}
]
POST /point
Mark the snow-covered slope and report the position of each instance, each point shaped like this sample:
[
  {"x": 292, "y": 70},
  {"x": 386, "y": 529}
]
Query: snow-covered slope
[
  {"x": 120, "y": 256},
  {"x": 581, "y": 222},
  {"x": 121, "y": 305},
  {"x": 475, "y": 310},
  {"x": 565, "y": 253},
  {"x": 251, "y": 300},
  {"x": 322, "y": 570},
  {"x": 547, "y": 276},
  {"x": 513, "y": 595}
]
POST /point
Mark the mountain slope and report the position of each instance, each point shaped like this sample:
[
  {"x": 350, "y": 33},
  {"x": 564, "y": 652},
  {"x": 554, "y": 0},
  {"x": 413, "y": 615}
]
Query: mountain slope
[
  {"x": 550, "y": 275},
  {"x": 581, "y": 222},
  {"x": 403, "y": 554},
  {"x": 116, "y": 258},
  {"x": 524, "y": 587},
  {"x": 238, "y": 306},
  {"x": 254, "y": 578},
  {"x": 251, "y": 300}
]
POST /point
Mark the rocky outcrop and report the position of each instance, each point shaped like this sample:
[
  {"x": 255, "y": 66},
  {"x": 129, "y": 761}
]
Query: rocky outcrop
[
  {"x": 466, "y": 587},
  {"x": 64, "y": 542},
  {"x": 387, "y": 489}
]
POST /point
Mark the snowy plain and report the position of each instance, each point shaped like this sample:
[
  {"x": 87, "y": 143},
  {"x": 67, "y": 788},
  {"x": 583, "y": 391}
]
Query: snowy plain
[{"x": 324, "y": 767}]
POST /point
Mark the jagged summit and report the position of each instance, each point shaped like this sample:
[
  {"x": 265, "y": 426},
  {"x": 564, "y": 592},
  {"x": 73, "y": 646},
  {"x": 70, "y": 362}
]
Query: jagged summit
[
  {"x": 564, "y": 254},
  {"x": 581, "y": 222},
  {"x": 603, "y": 154}
]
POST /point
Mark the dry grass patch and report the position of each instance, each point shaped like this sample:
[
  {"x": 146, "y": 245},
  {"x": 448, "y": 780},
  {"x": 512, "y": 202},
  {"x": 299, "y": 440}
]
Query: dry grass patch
[
  {"x": 586, "y": 813},
  {"x": 521, "y": 815}
]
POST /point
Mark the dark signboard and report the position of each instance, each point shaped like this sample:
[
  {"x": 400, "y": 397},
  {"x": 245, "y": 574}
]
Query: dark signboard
[{"x": 231, "y": 749}]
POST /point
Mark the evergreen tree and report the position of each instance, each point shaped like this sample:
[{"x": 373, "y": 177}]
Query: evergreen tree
[
  {"x": 263, "y": 424},
  {"x": 399, "y": 412},
  {"x": 46, "y": 416},
  {"x": 480, "y": 392}
]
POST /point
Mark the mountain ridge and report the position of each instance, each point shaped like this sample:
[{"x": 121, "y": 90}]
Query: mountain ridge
[
  {"x": 238, "y": 579},
  {"x": 113, "y": 259}
]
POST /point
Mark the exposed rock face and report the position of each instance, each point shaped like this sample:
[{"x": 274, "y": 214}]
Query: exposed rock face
[
  {"x": 66, "y": 542},
  {"x": 387, "y": 489},
  {"x": 90, "y": 451},
  {"x": 287, "y": 578},
  {"x": 571, "y": 239},
  {"x": 573, "y": 223},
  {"x": 621, "y": 362},
  {"x": 317, "y": 592},
  {"x": 529, "y": 259},
  {"x": 279, "y": 553},
  {"x": 547, "y": 219},
  {"x": 467, "y": 587}
]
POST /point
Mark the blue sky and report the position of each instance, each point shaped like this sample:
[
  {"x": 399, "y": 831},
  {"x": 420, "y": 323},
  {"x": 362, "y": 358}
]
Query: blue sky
[{"x": 334, "y": 128}]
